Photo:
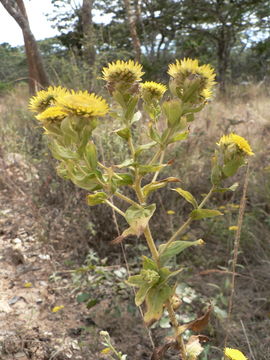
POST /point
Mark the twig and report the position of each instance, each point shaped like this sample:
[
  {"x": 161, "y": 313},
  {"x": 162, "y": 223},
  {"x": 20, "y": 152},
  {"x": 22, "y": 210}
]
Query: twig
[
  {"x": 245, "y": 333},
  {"x": 235, "y": 252}
]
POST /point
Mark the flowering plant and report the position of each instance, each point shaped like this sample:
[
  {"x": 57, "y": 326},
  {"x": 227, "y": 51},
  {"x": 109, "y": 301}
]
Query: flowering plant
[{"x": 69, "y": 119}]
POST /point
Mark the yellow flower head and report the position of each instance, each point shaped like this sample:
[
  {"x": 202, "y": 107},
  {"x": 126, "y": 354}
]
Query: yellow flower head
[
  {"x": 52, "y": 113},
  {"x": 120, "y": 70},
  {"x": 188, "y": 71},
  {"x": 122, "y": 75},
  {"x": 83, "y": 104},
  {"x": 45, "y": 98},
  {"x": 239, "y": 141},
  {"x": 234, "y": 354},
  {"x": 153, "y": 90}
]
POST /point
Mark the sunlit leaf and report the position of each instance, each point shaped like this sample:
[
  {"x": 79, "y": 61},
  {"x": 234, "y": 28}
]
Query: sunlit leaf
[
  {"x": 175, "y": 248},
  {"x": 204, "y": 213},
  {"x": 97, "y": 198},
  {"x": 187, "y": 196}
]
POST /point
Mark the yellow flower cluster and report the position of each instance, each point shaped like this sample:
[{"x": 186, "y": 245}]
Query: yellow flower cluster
[
  {"x": 239, "y": 141},
  {"x": 56, "y": 103},
  {"x": 188, "y": 71},
  {"x": 153, "y": 90},
  {"x": 120, "y": 70},
  {"x": 122, "y": 75},
  {"x": 45, "y": 98}
]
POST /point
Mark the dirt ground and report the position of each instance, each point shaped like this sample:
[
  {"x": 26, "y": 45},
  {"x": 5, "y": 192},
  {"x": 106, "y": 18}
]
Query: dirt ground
[{"x": 40, "y": 318}]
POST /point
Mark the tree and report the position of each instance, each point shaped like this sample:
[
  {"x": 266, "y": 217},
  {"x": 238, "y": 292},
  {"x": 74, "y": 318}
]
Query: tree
[
  {"x": 222, "y": 21},
  {"x": 37, "y": 74},
  {"x": 132, "y": 17},
  {"x": 89, "y": 53}
]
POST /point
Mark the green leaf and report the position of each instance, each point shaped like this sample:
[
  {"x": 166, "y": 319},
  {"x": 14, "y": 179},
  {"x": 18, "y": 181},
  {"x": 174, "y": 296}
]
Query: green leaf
[
  {"x": 92, "y": 303},
  {"x": 154, "y": 135},
  {"x": 179, "y": 137},
  {"x": 126, "y": 163},
  {"x": 59, "y": 152},
  {"x": 155, "y": 299},
  {"x": 231, "y": 167},
  {"x": 141, "y": 293},
  {"x": 90, "y": 155},
  {"x": 187, "y": 196},
  {"x": 145, "y": 169},
  {"x": 147, "y": 189},
  {"x": 231, "y": 188},
  {"x": 121, "y": 179},
  {"x": 136, "y": 117},
  {"x": 150, "y": 277},
  {"x": 97, "y": 198},
  {"x": 83, "y": 297},
  {"x": 173, "y": 111},
  {"x": 131, "y": 108},
  {"x": 144, "y": 147},
  {"x": 135, "y": 280},
  {"x": 69, "y": 133},
  {"x": 204, "y": 213},
  {"x": 138, "y": 218},
  {"x": 175, "y": 248},
  {"x": 124, "y": 133},
  {"x": 119, "y": 98},
  {"x": 149, "y": 264}
]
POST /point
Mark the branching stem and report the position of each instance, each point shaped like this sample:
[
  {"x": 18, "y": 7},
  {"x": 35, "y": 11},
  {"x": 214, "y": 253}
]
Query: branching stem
[
  {"x": 189, "y": 220},
  {"x": 125, "y": 198}
]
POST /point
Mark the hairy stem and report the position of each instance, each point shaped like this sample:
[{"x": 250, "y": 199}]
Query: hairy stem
[
  {"x": 175, "y": 325},
  {"x": 115, "y": 208},
  {"x": 151, "y": 244},
  {"x": 125, "y": 198}
]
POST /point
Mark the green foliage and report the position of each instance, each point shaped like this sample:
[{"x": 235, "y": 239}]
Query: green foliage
[{"x": 13, "y": 65}]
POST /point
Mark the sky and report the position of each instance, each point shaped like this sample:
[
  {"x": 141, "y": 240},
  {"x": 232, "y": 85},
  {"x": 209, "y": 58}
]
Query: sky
[
  {"x": 10, "y": 31},
  {"x": 41, "y": 27}
]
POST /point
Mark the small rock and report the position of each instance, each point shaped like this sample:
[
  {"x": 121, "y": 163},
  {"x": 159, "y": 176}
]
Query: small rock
[
  {"x": 17, "y": 241},
  {"x": 48, "y": 333},
  {"x": 20, "y": 355},
  {"x": 15, "y": 299},
  {"x": 75, "y": 346},
  {"x": 44, "y": 256}
]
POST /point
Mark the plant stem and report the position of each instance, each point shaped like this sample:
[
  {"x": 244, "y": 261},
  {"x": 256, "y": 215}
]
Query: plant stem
[
  {"x": 207, "y": 197},
  {"x": 175, "y": 324},
  {"x": 127, "y": 199},
  {"x": 189, "y": 220},
  {"x": 151, "y": 244},
  {"x": 115, "y": 208},
  {"x": 160, "y": 162},
  {"x": 156, "y": 156},
  {"x": 131, "y": 146}
]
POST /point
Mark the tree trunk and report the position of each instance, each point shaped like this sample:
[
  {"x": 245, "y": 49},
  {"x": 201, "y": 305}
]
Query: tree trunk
[
  {"x": 38, "y": 77},
  {"x": 89, "y": 53},
  {"x": 133, "y": 30},
  {"x": 223, "y": 55}
]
